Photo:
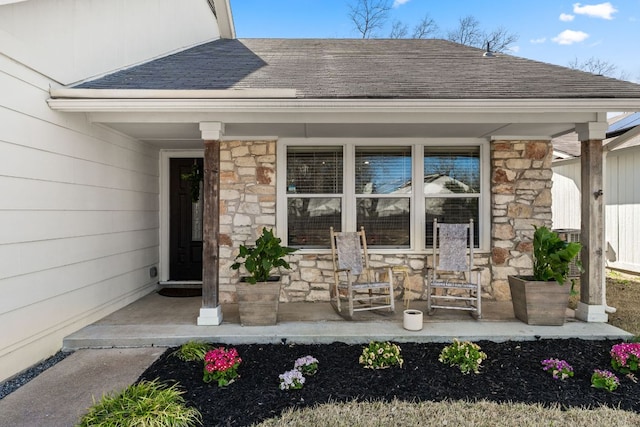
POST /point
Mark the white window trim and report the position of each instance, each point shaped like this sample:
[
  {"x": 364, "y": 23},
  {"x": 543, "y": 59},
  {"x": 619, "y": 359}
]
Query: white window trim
[{"x": 417, "y": 244}]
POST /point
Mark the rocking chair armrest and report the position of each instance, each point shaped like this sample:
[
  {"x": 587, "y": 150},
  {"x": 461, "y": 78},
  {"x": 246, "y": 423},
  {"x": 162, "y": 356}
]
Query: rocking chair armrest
[{"x": 382, "y": 267}]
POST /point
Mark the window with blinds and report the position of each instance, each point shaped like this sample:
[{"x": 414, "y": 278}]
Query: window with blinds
[
  {"x": 451, "y": 187},
  {"x": 356, "y": 184},
  {"x": 383, "y": 194},
  {"x": 314, "y": 194}
]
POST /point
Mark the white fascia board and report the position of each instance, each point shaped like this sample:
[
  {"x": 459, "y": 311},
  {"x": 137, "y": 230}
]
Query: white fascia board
[
  {"x": 562, "y": 155},
  {"x": 152, "y": 96},
  {"x": 224, "y": 16},
  {"x": 77, "y": 100},
  {"x": 621, "y": 139},
  {"x": 499, "y": 137}
]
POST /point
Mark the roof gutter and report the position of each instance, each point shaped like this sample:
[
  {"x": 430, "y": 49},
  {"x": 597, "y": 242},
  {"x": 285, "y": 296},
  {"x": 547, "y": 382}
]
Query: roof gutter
[
  {"x": 125, "y": 94},
  {"x": 285, "y": 100}
]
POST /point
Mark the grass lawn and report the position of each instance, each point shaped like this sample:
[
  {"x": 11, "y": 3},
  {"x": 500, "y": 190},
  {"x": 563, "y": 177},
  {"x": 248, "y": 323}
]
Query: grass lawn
[{"x": 623, "y": 293}]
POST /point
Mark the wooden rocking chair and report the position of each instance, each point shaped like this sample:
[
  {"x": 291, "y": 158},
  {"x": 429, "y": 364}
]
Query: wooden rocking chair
[
  {"x": 452, "y": 270},
  {"x": 358, "y": 285}
]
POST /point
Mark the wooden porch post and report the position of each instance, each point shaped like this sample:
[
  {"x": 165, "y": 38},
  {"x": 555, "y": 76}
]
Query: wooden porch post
[
  {"x": 591, "y": 307},
  {"x": 211, "y": 312}
]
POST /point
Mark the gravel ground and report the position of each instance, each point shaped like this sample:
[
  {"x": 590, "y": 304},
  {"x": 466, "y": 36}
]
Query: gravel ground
[{"x": 14, "y": 383}]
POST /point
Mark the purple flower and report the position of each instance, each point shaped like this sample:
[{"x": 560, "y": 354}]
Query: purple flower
[
  {"x": 307, "y": 365},
  {"x": 560, "y": 369},
  {"x": 292, "y": 379}
]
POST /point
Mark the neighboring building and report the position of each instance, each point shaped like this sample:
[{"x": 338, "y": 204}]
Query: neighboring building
[
  {"x": 308, "y": 133},
  {"x": 621, "y": 194}
]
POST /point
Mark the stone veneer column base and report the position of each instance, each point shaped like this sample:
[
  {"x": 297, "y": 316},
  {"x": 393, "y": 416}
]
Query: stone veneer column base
[
  {"x": 591, "y": 313},
  {"x": 210, "y": 316}
]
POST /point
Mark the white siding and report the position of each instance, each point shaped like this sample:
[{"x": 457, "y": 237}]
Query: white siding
[
  {"x": 79, "y": 221},
  {"x": 71, "y": 40},
  {"x": 622, "y": 210},
  {"x": 623, "y": 207},
  {"x": 565, "y": 193}
]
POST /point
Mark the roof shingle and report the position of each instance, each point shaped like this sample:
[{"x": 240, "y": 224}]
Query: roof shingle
[{"x": 355, "y": 68}]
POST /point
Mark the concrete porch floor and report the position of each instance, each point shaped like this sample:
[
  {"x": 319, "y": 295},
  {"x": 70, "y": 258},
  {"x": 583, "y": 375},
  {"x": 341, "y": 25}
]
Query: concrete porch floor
[{"x": 160, "y": 321}]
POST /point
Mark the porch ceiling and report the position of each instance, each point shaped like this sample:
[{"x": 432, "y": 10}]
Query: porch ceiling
[
  {"x": 187, "y": 135},
  {"x": 175, "y": 123}
]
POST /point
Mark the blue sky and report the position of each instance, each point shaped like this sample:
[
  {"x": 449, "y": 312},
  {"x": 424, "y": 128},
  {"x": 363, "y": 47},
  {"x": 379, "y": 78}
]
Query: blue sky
[{"x": 554, "y": 31}]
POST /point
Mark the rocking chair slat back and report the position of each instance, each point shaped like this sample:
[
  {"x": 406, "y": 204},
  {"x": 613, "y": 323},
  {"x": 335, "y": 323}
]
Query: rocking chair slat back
[{"x": 356, "y": 284}]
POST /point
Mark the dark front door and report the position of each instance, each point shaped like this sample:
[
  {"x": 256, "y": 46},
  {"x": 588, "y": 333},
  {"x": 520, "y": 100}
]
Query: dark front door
[{"x": 185, "y": 223}]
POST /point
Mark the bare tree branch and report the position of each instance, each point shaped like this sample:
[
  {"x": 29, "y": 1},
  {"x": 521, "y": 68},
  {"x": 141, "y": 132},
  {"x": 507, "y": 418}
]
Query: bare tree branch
[
  {"x": 595, "y": 66},
  {"x": 500, "y": 40},
  {"x": 468, "y": 32},
  {"x": 425, "y": 28},
  {"x": 369, "y": 15},
  {"x": 398, "y": 30}
]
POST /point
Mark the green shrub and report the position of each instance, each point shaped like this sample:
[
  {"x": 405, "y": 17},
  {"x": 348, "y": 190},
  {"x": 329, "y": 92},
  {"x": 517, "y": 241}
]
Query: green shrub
[
  {"x": 148, "y": 403},
  {"x": 380, "y": 355},
  {"x": 192, "y": 351},
  {"x": 552, "y": 256},
  {"x": 465, "y": 355}
]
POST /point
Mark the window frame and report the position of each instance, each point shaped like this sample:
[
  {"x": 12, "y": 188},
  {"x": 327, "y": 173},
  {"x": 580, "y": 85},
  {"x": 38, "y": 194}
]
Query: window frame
[{"x": 417, "y": 199}]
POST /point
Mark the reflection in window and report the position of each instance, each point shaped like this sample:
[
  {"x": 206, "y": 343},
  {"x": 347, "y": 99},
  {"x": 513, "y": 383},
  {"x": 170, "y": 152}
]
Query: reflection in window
[
  {"x": 314, "y": 170},
  {"x": 382, "y": 180},
  {"x": 314, "y": 179},
  {"x": 451, "y": 187},
  {"x": 386, "y": 173},
  {"x": 309, "y": 220}
]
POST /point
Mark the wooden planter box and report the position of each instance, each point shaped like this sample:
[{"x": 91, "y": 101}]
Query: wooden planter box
[
  {"x": 258, "y": 304},
  {"x": 539, "y": 303}
]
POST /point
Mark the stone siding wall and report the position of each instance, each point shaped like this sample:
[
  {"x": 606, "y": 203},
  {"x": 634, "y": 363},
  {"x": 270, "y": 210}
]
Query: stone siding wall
[
  {"x": 520, "y": 197},
  {"x": 247, "y": 202}
]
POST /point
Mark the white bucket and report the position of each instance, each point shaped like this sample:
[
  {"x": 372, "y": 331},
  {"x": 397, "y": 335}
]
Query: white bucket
[{"x": 412, "y": 320}]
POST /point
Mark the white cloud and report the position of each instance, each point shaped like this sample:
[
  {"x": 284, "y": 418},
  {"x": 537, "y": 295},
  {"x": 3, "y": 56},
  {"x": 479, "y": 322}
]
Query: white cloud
[
  {"x": 570, "y": 37},
  {"x": 538, "y": 41},
  {"x": 602, "y": 10},
  {"x": 515, "y": 49},
  {"x": 565, "y": 17},
  {"x": 398, "y": 3}
]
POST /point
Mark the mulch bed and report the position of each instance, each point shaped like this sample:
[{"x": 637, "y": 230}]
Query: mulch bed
[{"x": 512, "y": 372}]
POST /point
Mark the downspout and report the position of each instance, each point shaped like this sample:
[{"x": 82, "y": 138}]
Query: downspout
[{"x": 607, "y": 308}]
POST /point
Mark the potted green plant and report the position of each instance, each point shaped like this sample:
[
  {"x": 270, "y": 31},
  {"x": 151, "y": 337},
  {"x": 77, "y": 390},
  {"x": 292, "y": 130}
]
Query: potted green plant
[
  {"x": 542, "y": 299},
  {"x": 258, "y": 305}
]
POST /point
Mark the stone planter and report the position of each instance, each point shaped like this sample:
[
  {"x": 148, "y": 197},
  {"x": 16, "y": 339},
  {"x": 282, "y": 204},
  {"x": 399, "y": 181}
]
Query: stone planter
[
  {"x": 539, "y": 303},
  {"x": 412, "y": 320},
  {"x": 258, "y": 304}
]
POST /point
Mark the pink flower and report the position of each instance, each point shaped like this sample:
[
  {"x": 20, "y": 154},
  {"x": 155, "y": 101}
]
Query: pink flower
[
  {"x": 221, "y": 365},
  {"x": 625, "y": 357}
]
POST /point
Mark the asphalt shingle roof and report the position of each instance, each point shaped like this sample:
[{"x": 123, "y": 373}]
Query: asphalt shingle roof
[{"x": 355, "y": 68}]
